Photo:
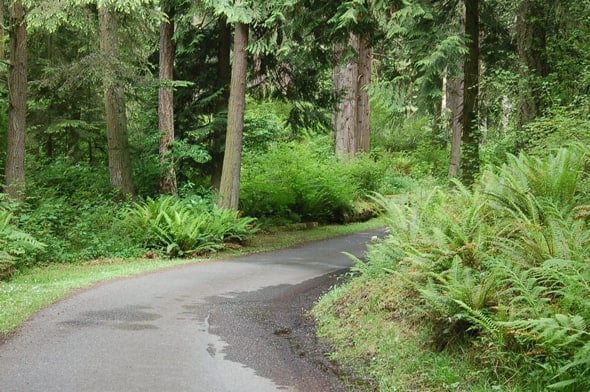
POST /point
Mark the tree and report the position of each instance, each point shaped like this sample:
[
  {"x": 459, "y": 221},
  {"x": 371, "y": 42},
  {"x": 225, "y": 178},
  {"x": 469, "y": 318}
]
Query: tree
[
  {"x": 223, "y": 81},
  {"x": 17, "y": 106},
  {"x": 166, "y": 102},
  {"x": 352, "y": 76},
  {"x": 453, "y": 91},
  {"x": 229, "y": 189},
  {"x": 454, "y": 102},
  {"x": 115, "y": 109},
  {"x": 470, "y": 133},
  {"x": 351, "y": 80}
]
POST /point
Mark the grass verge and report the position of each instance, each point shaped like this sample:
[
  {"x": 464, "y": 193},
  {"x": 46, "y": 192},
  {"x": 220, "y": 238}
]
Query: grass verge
[
  {"x": 383, "y": 346},
  {"x": 31, "y": 290}
]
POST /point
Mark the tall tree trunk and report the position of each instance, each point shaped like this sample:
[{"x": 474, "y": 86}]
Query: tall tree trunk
[
  {"x": 454, "y": 97},
  {"x": 223, "y": 80},
  {"x": 454, "y": 102},
  {"x": 229, "y": 189},
  {"x": 120, "y": 171},
  {"x": 345, "y": 77},
  {"x": 531, "y": 36},
  {"x": 470, "y": 135},
  {"x": 166, "y": 103},
  {"x": 17, "y": 104},
  {"x": 351, "y": 117},
  {"x": 2, "y": 32},
  {"x": 363, "y": 116}
]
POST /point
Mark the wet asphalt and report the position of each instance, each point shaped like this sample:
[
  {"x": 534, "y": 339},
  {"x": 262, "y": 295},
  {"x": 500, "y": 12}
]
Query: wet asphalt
[{"x": 235, "y": 325}]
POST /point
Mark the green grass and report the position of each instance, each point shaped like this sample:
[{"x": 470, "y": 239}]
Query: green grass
[
  {"x": 31, "y": 290},
  {"x": 383, "y": 346}
]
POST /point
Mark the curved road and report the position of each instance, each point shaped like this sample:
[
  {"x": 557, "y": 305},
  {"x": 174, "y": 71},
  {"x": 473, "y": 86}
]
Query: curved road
[{"x": 235, "y": 325}]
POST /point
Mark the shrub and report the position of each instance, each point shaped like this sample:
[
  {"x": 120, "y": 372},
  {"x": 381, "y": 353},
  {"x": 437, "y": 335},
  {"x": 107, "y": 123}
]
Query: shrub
[
  {"x": 502, "y": 267},
  {"x": 76, "y": 230},
  {"x": 184, "y": 227},
  {"x": 296, "y": 182},
  {"x": 14, "y": 244}
]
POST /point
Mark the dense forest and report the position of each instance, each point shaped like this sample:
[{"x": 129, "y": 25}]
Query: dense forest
[{"x": 174, "y": 128}]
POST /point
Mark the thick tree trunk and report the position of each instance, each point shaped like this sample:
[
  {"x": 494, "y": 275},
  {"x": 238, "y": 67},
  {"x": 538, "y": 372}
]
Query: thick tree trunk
[
  {"x": 229, "y": 189},
  {"x": 531, "y": 36},
  {"x": 166, "y": 103},
  {"x": 470, "y": 135},
  {"x": 223, "y": 79},
  {"x": 17, "y": 105},
  {"x": 352, "y": 114},
  {"x": 345, "y": 78},
  {"x": 118, "y": 144}
]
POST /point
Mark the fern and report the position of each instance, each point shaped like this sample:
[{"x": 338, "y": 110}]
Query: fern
[
  {"x": 14, "y": 244},
  {"x": 484, "y": 321},
  {"x": 184, "y": 227}
]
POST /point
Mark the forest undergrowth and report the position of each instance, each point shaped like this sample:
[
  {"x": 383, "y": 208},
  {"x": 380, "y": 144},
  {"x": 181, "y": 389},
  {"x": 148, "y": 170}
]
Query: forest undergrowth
[{"x": 482, "y": 289}]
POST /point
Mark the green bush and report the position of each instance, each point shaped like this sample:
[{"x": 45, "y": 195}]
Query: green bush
[
  {"x": 264, "y": 123},
  {"x": 296, "y": 182},
  {"x": 502, "y": 268},
  {"x": 14, "y": 244},
  {"x": 70, "y": 207},
  {"x": 76, "y": 230},
  {"x": 184, "y": 227}
]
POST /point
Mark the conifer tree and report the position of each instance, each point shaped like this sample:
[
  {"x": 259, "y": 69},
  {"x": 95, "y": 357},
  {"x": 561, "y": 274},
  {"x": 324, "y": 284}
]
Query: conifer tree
[{"x": 17, "y": 106}]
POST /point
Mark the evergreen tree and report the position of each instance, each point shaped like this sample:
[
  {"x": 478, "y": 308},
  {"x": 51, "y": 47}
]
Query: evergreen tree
[
  {"x": 166, "y": 101},
  {"x": 17, "y": 105},
  {"x": 115, "y": 108}
]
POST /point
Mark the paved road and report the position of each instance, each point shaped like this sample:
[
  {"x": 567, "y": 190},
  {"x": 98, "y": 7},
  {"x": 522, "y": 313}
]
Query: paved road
[{"x": 235, "y": 325}]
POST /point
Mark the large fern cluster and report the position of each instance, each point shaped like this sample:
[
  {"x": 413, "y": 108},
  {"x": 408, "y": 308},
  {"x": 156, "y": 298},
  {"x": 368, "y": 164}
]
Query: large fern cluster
[
  {"x": 182, "y": 227},
  {"x": 504, "y": 266}
]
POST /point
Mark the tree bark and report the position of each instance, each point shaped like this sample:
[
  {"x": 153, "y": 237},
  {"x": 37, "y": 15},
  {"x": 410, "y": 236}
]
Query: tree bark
[
  {"x": 470, "y": 135},
  {"x": 120, "y": 171},
  {"x": 352, "y": 114},
  {"x": 531, "y": 35},
  {"x": 223, "y": 79},
  {"x": 345, "y": 86},
  {"x": 166, "y": 103},
  {"x": 230, "y": 177},
  {"x": 363, "y": 133},
  {"x": 454, "y": 102},
  {"x": 2, "y": 32},
  {"x": 17, "y": 105}
]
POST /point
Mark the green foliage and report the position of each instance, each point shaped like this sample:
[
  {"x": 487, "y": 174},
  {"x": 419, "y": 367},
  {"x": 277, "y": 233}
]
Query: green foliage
[
  {"x": 294, "y": 183},
  {"x": 185, "y": 227},
  {"x": 70, "y": 207},
  {"x": 14, "y": 244},
  {"x": 398, "y": 128},
  {"x": 502, "y": 268},
  {"x": 264, "y": 123},
  {"x": 304, "y": 182},
  {"x": 561, "y": 126},
  {"x": 525, "y": 184}
]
